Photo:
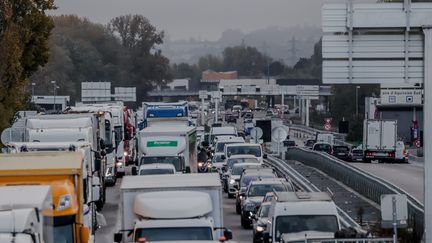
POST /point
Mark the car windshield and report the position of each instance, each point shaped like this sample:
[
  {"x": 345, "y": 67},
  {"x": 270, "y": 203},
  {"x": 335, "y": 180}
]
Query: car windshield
[
  {"x": 221, "y": 145},
  {"x": 213, "y": 136},
  {"x": 251, "y": 150},
  {"x": 341, "y": 149},
  {"x": 218, "y": 159},
  {"x": 174, "y": 234},
  {"x": 245, "y": 180},
  {"x": 300, "y": 223},
  {"x": 238, "y": 170},
  {"x": 264, "y": 211},
  {"x": 261, "y": 190},
  {"x": 58, "y": 229},
  {"x": 156, "y": 171},
  {"x": 178, "y": 162},
  {"x": 234, "y": 161},
  {"x": 322, "y": 147}
]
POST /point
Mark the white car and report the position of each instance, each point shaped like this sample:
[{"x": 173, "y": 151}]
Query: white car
[
  {"x": 156, "y": 169},
  {"x": 252, "y": 149}
]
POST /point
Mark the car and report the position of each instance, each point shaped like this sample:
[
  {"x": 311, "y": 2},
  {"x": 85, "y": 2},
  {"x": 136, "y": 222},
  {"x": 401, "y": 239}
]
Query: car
[
  {"x": 247, "y": 177},
  {"x": 233, "y": 176},
  {"x": 245, "y": 149},
  {"x": 289, "y": 143},
  {"x": 254, "y": 195},
  {"x": 110, "y": 178},
  {"x": 269, "y": 113},
  {"x": 341, "y": 152},
  {"x": 156, "y": 169},
  {"x": 401, "y": 154},
  {"x": 218, "y": 162},
  {"x": 231, "y": 119},
  {"x": 323, "y": 147},
  {"x": 230, "y": 162},
  {"x": 221, "y": 141},
  {"x": 259, "y": 222},
  {"x": 309, "y": 143},
  {"x": 357, "y": 155}
]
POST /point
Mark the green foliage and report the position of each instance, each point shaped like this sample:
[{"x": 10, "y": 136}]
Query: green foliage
[
  {"x": 123, "y": 53},
  {"x": 24, "y": 32}
]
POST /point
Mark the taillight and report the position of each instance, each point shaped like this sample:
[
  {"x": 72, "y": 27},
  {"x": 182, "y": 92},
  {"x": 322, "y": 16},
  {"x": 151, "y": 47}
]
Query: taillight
[
  {"x": 392, "y": 154},
  {"x": 405, "y": 153},
  {"x": 141, "y": 240}
]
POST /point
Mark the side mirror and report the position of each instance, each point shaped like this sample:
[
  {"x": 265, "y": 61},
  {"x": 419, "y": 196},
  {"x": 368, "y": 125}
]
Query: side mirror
[
  {"x": 118, "y": 237},
  {"x": 265, "y": 156},
  {"x": 242, "y": 194},
  {"x": 134, "y": 170},
  {"x": 228, "y": 234},
  {"x": 84, "y": 234},
  {"x": 223, "y": 157},
  {"x": 103, "y": 153},
  {"x": 266, "y": 237}
]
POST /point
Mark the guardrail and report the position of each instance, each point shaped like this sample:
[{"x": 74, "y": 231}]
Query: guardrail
[
  {"x": 364, "y": 183},
  {"x": 305, "y": 185},
  {"x": 301, "y": 131}
]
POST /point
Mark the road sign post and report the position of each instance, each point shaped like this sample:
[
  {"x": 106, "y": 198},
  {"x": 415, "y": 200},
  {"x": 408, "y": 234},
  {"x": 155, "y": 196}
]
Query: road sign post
[
  {"x": 256, "y": 133},
  {"x": 279, "y": 134},
  {"x": 202, "y": 95}
]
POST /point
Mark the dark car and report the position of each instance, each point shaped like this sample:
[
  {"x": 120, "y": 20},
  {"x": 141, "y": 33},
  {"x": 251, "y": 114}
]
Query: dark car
[
  {"x": 289, "y": 143},
  {"x": 323, "y": 147},
  {"x": 231, "y": 119},
  {"x": 260, "y": 222},
  {"x": 309, "y": 143},
  {"x": 357, "y": 155},
  {"x": 341, "y": 152}
]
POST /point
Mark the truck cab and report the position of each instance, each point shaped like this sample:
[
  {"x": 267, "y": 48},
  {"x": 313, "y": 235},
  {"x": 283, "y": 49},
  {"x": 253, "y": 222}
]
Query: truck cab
[
  {"x": 298, "y": 216},
  {"x": 63, "y": 172},
  {"x": 22, "y": 217}
]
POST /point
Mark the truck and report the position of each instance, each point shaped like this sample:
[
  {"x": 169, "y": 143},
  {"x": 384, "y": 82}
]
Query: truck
[
  {"x": 173, "y": 113},
  {"x": 325, "y": 138},
  {"x": 299, "y": 216},
  {"x": 148, "y": 211},
  {"x": 169, "y": 144},
  {"x": 88, "y": 160},
  {"x": 70, "y": 219},
  {"x": 86, "y": 127},
  {"x": 379, "y": 140},
  {"x": 22, "y": 217}
]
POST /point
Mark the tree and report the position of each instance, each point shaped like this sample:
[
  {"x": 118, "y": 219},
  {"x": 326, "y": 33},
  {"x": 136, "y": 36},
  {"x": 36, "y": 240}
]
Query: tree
[
  {"x": 247, "y": 60},
  {"x": 24, "y": 33}
]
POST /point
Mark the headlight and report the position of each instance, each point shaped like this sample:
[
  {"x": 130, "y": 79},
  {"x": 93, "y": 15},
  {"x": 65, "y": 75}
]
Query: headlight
[
  {"x": 119, "y": 164},
  {"x": 259, "y": 229},
  {"x": 232, "y": 181},
  {"x": 200, "y": 164},
  {"x": 125, "y": 153},
  {"x": 65, "y": 201}
]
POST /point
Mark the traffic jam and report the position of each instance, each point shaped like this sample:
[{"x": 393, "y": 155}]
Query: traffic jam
[{"x": 158, "y": 155}]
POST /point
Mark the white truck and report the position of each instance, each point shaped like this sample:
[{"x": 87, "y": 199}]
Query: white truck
[
  {"x": 325, "y": 138},
  {"x": 171, "y": 208},
  {"x": 379, "y": 140},
  {"x": 169, "y": 144},
  {"x": 22, "y": 217},
  {"x": 299, "y": 216}
]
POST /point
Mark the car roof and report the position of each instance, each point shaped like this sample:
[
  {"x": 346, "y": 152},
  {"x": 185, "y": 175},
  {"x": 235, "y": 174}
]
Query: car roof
[
  {"x": 242, "y": 144},
  {"x": 157, "y": 166},
  {"x": 267, "y": 181},
  {"x": 242, "y": 156}
]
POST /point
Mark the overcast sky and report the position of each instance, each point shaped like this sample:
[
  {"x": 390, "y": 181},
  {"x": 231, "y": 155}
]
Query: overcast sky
[{"x": 206, "y": 19}]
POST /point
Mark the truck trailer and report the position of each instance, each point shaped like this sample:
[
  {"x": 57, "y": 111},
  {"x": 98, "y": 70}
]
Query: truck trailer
[{"x": 379, "y": 140}]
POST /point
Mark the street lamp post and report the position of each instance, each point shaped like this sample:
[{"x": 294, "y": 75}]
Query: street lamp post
[
  {"x": 54, "y": 93},
  {"x": 357, "y": 102},
  {"x": 33, "y": 88}
]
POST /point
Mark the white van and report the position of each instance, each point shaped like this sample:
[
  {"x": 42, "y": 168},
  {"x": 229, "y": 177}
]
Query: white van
[
  {"x": 298, "y": 216},
  {"x": 221, "y": 131},
  {"x": 245, "y": 148}
]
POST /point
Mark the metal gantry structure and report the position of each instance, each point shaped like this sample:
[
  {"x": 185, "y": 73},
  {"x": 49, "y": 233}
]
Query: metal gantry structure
[{"x": 388, "y": 44}]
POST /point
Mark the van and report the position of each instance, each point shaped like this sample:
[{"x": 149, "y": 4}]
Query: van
[
  {"x": 245, "y": 149},
  {"x": 298, "y": 216}
]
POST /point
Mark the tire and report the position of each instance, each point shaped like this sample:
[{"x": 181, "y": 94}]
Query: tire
[{"x": 238, "y": 208}]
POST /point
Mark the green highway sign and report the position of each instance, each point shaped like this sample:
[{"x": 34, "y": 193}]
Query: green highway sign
[{"x": 162, "y": 144}]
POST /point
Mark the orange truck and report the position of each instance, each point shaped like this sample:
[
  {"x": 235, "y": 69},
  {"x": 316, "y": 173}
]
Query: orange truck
[{"x": 63, "y": 172}]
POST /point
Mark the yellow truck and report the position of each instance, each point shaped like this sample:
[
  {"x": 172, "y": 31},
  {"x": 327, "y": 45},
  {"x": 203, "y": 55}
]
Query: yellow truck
[{"x": 63, "y": 172}]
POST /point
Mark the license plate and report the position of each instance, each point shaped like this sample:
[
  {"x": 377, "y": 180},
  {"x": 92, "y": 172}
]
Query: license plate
[
  {"x": 380, "y": 154},
  {"x": 341, "y": 153}
]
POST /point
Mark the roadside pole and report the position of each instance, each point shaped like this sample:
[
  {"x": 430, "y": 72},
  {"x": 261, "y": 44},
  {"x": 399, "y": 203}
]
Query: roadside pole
[
  {"x": 282, "y": 105},
  {"x": 307, "y": 111},
  {"x": 427, "y": 137},
  {"x": 202, "y": 95}
]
